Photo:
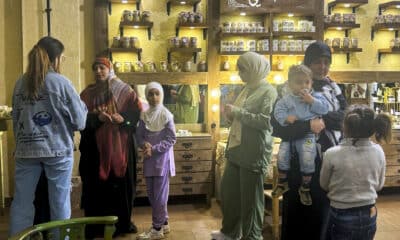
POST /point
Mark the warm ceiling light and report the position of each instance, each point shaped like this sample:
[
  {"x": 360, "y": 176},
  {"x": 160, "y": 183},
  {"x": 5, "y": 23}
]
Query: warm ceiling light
[
  {"x": 135, "y": 26},
  {"x": 182, "y": 2},
  {"x": 390, "y": 29},
  {"x": 124, "y": 1},
  {"x": 397, "y": 6},
  {"x": 290, "y": 14},
  {"x": 242, "y": 14},
  {"x": 339, "y": 28},
  {"x": 346, "y": 5},
  {"x": 191, "y": 27}
]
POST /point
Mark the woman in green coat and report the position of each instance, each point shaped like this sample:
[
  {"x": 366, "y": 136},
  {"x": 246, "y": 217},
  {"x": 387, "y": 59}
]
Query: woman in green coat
[{"x": 249, "y": 152}]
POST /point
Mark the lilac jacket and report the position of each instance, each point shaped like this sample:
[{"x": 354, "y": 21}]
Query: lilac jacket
[{"x": 162, "y": 160}]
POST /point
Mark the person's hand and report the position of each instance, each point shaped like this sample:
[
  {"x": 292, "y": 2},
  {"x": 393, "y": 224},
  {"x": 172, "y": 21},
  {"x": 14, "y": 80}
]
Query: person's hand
[
  {"x": 317, "y": 125},
  {"x": 291, "y": 119},
  {"x": 147, "y": 145},
  {"x": 104, "y": 117},
  {"x": 306, "y": 96},
  {"x": 147, "y": 149},
  {"x": 117, "y": 118},
  {"x": 228, "y": 111}
]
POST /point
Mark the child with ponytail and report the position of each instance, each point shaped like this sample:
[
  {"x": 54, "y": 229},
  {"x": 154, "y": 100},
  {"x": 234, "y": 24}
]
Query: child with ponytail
[{"x": 353, "y": 172}]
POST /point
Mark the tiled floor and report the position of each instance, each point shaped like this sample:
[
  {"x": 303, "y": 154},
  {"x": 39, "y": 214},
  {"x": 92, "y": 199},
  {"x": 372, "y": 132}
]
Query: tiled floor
[{"x": 195, "y": 221}]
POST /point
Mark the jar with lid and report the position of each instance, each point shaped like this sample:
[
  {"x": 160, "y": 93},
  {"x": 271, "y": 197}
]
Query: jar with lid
[
  {"x": 116, "y": 42},
  {"x": 136, "y": 15},
  {"x": 187, "y": 66},
  {"x": 193, "y": 42},
  {"x": 127, "y": 67},
  {"x": 198, "y": 18},
  {"x": 125, "y": 42},
  {"x": 202, "y": 66},
  {"x": 127, "y": 16},
  {"x": 146, "y": 16},
  {"x": 185, "y": 42},
  {"x": 118, "y": 67},
  {"x": 134, "y": 42}
]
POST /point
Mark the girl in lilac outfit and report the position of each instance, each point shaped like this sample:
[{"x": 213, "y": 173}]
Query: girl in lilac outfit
[{"x": 156, "y": 137}]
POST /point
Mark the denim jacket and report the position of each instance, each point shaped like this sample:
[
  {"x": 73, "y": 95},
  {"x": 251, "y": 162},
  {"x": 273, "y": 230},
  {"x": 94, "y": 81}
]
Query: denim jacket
[{"x": 45, "y": 127}]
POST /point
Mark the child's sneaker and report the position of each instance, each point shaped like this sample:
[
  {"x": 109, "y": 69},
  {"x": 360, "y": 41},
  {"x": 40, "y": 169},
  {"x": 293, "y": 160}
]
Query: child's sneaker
[
  {"x": 166, "y": 229},
  {"x": 305, "y": 196},
  {"x": 280, "y": 189},
  {"x": 152, "y": 234}
]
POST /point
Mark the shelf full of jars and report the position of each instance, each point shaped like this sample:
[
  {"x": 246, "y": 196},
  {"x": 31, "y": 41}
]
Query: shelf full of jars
[
  {"x": 388, "y": 19},
  {"x": 343, "y": 21},
  {"x": 281, "y": 36},
  {"x": 288, "y": 36},
  {"x": 175, "y": 45}
]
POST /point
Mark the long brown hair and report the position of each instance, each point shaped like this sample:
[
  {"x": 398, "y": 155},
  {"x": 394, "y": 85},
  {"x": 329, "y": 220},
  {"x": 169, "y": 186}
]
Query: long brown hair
[
  {"x": 361, "y": 122},
  {"x": 41, "y": 58}
]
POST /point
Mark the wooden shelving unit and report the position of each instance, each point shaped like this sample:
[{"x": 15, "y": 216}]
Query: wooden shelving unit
[
  {"x": 136, "y": 2},
  {"x": 234, "y": 53},
  {"x": 202, "y": 26},
  {"x": 256, "y": 35},
  {"x": 341, "y": 26},
  {"x": 347, "y": 51},
  {"x": 385, "y": 27},
  {"x": 388, "y": 5},
  {"x": 394, "y": 50},
  {"x": 346, "y": 3},
  {"x": 194, "y": 51},
  {"x": 193, "y": 3},
  {"x": 308, "y": 35},
  {"x": 138, "y": 25},
  {"x": 138, "y": 51}
]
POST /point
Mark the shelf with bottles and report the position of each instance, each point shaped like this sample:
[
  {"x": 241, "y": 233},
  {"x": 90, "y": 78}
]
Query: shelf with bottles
[
  {"x": 386, "y": 22},
  {"x": 136, "y": 2},
  {"x": 193, "y": 3},
  {"x": 354, "y": 4},
  {"x": 137, "y": 25}
]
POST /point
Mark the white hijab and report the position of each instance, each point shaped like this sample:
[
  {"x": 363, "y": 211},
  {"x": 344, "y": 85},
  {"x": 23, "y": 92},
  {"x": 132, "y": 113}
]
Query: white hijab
[{"x": 156, "y": 117}]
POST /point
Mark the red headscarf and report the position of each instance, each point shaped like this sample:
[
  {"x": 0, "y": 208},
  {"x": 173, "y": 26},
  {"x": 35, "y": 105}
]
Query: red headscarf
[{"x": 102, "y": 60}]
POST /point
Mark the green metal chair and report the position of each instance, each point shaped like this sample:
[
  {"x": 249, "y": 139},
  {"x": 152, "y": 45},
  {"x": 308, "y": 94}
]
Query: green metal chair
[{"x": 72, "y": 229}]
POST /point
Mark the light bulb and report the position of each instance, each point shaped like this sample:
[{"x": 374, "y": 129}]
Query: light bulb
[{"x": 214, "y": 108}]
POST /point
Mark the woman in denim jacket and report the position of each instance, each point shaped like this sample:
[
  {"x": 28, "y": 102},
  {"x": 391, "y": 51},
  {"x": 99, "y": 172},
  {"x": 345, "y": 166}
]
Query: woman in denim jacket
[{"x": 46, "y": 112}]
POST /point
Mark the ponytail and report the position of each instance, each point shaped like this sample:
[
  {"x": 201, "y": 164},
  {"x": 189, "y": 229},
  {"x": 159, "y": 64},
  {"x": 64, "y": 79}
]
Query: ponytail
[
  {"x": 383, "y": 128},
  {"x": 361, "y": 122},
  {"x": 38, "y": 66},
  {"x": 41, "y": 58}
]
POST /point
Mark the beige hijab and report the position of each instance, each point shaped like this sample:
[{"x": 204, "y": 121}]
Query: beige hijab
[{"x": 253, "y": 69}]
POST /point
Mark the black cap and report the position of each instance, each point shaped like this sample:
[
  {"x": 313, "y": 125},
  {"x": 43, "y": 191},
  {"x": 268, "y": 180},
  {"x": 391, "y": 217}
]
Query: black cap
[{"x": 315, "y": 51}]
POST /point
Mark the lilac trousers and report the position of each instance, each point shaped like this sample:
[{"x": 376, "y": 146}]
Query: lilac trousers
[{"x": 157, "y": 191}]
